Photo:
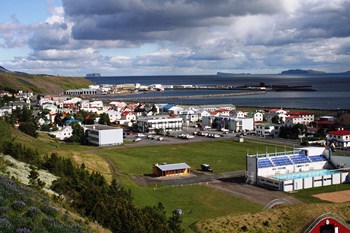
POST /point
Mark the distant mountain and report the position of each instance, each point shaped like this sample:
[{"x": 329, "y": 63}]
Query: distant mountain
[
  {"x": 2, "y": 70},
  {"x": 299, "y": 71}
]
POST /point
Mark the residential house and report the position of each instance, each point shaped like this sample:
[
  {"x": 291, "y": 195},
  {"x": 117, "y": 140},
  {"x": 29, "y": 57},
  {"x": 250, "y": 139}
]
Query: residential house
[
  {"x": 5, "y": 110},
  {"x": 113, "y": 115},
  {"x": 127, "y": 117},
  {"x": 280, "y": 113},
  {"x": 267, "y": 129},
  {"x": 237, "y": 114},
  {"x": 230, "y": 123},
  {"x": 304, "y": 118},
  {"x": 63, "y": 134},
  {"x": 340, "y": 138}
]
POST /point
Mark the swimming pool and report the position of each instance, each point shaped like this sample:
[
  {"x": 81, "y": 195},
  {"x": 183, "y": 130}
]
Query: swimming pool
[{"x": 300, "y": 175}]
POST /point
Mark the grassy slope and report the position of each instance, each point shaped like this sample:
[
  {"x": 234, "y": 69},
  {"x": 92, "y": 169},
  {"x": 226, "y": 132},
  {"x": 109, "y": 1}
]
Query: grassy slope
[
  {"x": 48, "y": 84},
  {"x": 284, "y": 219},
  {"x": 197, "y": 201}
]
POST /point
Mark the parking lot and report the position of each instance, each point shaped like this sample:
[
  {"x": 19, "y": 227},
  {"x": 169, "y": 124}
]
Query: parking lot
[{"x": 173, "y": 137}]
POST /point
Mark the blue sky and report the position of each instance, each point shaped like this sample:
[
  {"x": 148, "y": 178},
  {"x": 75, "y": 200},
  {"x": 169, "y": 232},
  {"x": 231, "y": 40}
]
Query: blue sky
[{"x": 155, "y": 37}]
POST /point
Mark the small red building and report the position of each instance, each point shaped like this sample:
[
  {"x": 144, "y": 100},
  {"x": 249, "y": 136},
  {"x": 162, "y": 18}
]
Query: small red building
[
  {"x": 178, "y": 169},
  {"x": 327, "y": 224}
]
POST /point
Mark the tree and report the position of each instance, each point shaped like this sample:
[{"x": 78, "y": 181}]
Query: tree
[
  {"x": 78, "y": 134},
  {"x": 28, "y": 128},
  {"x": 174, "y": 222},
  {"x": 154, "y": 109},
  {"x": 276, "y": 120},
  {"x": 34, "y": 180},
  {"x": 104, "y": 119}
]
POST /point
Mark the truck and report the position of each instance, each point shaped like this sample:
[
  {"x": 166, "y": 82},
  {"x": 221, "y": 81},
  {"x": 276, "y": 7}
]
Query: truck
[{"x": 206, "y": 167}]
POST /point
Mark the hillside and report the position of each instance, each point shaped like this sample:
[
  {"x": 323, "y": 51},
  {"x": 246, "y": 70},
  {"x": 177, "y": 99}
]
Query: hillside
[
  {"x": 26, "y": 210},
  {"x": 40, "y": 84},
  {"x": 284, "y": 219}
]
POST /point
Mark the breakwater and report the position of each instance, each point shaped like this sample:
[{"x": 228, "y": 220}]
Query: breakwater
[{"x": 137, "y": 99}]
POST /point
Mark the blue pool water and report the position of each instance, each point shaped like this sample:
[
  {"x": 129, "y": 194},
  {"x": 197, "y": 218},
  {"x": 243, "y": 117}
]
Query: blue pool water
[{"x": 299, "y": 175}]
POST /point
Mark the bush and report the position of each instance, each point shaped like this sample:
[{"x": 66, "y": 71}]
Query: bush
[{"x": 18, "y": 205}]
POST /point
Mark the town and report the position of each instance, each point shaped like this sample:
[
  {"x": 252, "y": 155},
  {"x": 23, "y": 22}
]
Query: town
[{"x": 314, "y": 136}]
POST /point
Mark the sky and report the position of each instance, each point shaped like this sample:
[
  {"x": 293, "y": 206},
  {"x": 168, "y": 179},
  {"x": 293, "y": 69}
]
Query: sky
[{"x": 173, "y": 37}]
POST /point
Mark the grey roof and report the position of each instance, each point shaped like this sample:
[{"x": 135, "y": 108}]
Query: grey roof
[
  {"x": 175, "y": 166},
  {"x": 99, "y": 127}
]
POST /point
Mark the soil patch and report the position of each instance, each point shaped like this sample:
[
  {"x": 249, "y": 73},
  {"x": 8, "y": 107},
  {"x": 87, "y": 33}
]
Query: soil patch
[{"x": 336, "y": 197}]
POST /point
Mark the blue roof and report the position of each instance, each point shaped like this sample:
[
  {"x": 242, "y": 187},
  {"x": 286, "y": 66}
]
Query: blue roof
[
  {"x": 176, "y": 166},
  {"x": 168, "y": 106},
  {"x": 72, "y": 120}
]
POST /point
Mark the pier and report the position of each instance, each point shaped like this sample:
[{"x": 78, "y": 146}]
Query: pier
[{"x": 190, "y": 96}]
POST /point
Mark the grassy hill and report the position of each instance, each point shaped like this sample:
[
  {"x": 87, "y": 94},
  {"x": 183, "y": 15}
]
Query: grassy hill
[
  {"x": 285, "y": 219},
  {"x": 41, "y": 84}
]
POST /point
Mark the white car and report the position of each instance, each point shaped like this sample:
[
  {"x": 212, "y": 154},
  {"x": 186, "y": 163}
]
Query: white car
[
  {"x": 137, "y": 139},
  {"x": 140, "y": 135}
]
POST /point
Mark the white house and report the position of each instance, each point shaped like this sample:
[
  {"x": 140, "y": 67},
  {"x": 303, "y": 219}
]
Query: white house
[
  {"x": 113, "y": 115},
  {"x": 293, "y": 120},
  {"x": 176, "y": 110},
  {"x": 237, "y": 114},
  {"x": 102, "y": 135},
  {"x": 230, "y": 123},
  {"x": 63, "y": 134},
  {"x": 127, "y": 117},
  {"x": 305, "y": 117},
  {"x": 257, "y": 116},
  {"x": 340, "y": 138},
  {"x": 267, "y": 129},
  {"x": 202, "y": 113},
  {"x": 189, "y": 116},
  {"x": 280, "y": 113},
  {"x": 96, "y": 104},
  {"x": 5, "y": 110}
]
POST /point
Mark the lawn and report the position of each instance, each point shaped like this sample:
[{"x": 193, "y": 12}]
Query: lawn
[
  {"x": 223, "y": 156},
  {"x": 198, "y": 202}
]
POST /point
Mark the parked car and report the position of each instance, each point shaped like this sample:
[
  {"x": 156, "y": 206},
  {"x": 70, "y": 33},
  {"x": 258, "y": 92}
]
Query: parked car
[
  {"x": 140, "y": 135},
  {"x": 206, "y": 167},
  {"x": 137, "y": 139}
]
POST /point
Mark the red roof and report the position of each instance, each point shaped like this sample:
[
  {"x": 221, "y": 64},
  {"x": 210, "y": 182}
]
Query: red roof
[
  {"x": 299, "y": 113},
  {"x": 340, "y": 132},
  {"x": 325, "y": 122}
]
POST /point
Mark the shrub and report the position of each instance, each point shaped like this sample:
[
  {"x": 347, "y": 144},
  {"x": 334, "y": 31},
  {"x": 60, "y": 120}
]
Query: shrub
[
  {"x": 18, "y": 205},
  {"x": 244, "y": 228}
]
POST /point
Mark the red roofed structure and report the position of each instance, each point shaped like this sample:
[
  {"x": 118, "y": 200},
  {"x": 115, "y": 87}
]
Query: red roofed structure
[
  {"x": 340, "y": 132},
  {"x": 327, "y": 223},
  {"x": 340, "y": 138}
]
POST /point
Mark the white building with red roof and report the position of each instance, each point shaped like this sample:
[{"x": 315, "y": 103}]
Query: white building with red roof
[
  {"x": 340, "y": 138},
  {"x": 300, "y": 117}
]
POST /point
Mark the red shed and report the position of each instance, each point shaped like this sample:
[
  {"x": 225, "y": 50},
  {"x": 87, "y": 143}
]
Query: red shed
[{"x": 327, "y": 224}]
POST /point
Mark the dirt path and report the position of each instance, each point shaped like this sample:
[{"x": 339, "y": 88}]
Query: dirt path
[{"x": 336, "y": 197}]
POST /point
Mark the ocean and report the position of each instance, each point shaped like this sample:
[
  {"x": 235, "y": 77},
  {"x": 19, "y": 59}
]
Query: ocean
[{"x": 332, "y": 91}]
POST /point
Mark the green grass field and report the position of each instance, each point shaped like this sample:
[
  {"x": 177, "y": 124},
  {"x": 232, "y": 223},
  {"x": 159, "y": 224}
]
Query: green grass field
[
  {"x": 198, "y": 202},
  {"x": 223, "y": 156}
]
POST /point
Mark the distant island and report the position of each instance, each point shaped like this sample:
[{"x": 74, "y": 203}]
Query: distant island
[
  {"x": 230, "y": 74},
  {"x": 300, "y": 71}
]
